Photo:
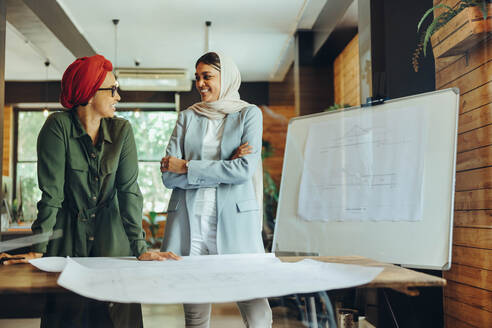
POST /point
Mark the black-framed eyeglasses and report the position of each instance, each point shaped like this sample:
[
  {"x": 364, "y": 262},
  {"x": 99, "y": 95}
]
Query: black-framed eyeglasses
[{"x": 113, "y": 89}]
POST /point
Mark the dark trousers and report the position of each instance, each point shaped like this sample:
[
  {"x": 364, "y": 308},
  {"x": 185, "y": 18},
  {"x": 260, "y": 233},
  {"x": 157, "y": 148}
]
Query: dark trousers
[{"x": 71, "y": 310}]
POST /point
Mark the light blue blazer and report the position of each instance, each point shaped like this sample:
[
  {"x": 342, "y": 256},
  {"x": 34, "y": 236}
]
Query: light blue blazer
[{"x": 238, "y": 218}]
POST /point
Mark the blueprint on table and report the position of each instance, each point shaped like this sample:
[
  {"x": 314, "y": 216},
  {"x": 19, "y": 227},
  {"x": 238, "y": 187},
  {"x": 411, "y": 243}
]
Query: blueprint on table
[{"x": 202, "y": 279}]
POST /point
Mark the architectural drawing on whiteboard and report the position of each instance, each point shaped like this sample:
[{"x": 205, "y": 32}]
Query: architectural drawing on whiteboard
[
  {"x": 365, "y": 180},
  {"x": 362, "y": 168}
]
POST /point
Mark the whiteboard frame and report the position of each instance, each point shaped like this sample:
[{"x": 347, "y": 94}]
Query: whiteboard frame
[{"x": 445, "y": 266}]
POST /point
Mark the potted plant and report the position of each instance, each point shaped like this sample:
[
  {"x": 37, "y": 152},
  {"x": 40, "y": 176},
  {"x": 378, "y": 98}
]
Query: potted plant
[
  {"x": 336, "y": 107},
  {"x": 151, "y": 227},
  {"x": 453, "y": 30},
  {"x": 17, "y": 210}
]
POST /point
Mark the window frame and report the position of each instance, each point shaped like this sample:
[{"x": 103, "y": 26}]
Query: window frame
[{"x": 15, "y": 143}]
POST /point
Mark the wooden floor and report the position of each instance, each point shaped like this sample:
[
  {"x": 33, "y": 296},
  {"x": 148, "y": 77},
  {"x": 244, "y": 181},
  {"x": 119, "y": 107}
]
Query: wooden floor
[{"x": 224, "y": 315}]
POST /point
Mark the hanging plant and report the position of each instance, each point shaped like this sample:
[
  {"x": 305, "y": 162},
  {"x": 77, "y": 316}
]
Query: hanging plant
[{"x": 440, "y": 21}]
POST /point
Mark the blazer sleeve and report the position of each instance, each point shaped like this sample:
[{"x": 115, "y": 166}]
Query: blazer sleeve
[
  {"x": 130, "y": 198},
  {"x": 51, "y": 178},
  {"x": 236, "y": 171},
  {"x": 175, "y": 148}
]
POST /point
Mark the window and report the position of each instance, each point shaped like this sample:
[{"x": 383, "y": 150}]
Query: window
[
  {"x": 152, "y": 130},
  {"x": 29, "y": 124}
]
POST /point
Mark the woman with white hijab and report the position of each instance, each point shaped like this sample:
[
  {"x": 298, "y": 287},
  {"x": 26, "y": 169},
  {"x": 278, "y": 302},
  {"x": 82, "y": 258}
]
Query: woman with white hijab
[{"x": 213, "y": 165}]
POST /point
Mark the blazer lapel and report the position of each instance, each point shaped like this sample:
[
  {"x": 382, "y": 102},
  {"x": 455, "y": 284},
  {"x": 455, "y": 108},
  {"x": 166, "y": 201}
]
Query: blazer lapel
[
  {"x": 230, "y": 128},
  {"x": 194, "y": 137}
]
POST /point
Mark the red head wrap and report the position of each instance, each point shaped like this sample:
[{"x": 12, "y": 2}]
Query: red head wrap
[{"x": 82, "y": 79}]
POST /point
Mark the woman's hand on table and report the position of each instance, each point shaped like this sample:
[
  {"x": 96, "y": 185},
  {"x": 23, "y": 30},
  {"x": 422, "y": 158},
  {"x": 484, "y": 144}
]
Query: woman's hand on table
[
  {"x": 174, "y": 165},
  {"x": 242, "y": 150},
  {"x": 158, "y": 256},
  {"x": 19, "y": 258}
]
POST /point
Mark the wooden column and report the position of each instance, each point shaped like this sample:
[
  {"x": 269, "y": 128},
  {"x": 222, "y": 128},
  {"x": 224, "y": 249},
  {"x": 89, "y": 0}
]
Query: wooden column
[
  {"x": 468, "y": 295},
  {"x": 7, "y": 140},
  {"x": 313, "y": 77},
  {"x": 3, "y": 25},
  {"x": 346, "y": 75}
]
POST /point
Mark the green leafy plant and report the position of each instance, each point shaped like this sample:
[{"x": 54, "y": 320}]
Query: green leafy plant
[
  {"x": 336, "y": 106},
  {"x": 440, "y": 21},
  {"x": 270, "y": 195},
  {"x": 16, "y": 210},
  {"x": 154, "y": 228}
]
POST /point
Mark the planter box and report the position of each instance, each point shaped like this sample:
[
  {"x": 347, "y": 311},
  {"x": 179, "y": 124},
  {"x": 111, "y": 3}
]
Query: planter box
[{"x": 462, "y": 32}]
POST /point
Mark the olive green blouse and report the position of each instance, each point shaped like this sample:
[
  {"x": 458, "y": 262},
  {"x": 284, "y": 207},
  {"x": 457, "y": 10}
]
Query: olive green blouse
[{"x": 89, "y": 192}]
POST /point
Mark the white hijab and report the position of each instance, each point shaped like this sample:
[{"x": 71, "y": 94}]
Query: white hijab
[{"x": 230, "y": 102}]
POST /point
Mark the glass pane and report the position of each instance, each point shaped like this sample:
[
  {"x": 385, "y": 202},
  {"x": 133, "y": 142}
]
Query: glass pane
[
  {"x": 27, "y": 177},
  {"x": 152, "y": 132},
  {"x": 156, "y": 196},
  {"x": 30, "y": 124}
]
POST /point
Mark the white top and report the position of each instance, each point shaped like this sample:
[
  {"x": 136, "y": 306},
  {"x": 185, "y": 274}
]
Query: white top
[{"x": 206, "y": 199}]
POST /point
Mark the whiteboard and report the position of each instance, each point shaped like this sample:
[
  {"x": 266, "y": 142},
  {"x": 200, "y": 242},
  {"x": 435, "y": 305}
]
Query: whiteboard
[{"x": 417, "y": 244}]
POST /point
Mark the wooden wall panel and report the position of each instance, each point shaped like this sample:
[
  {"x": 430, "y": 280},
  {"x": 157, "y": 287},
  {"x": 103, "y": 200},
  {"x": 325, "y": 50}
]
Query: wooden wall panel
[
  {"x": 463, "y": 65},
  {"x": 468, "y": 295},
  {"x": 471, "y": 276},
  {"x": 475, "y": 139},
  {"x": 476, "y": 98},
  {"x": 275, "y": 122},
  {"x": 346, "y": 74},
  {"x": 476, "y": 158},
  {"x": 474, "y": 179},
  {"x": 282, "y": 93},
  {"x": 477, "y": 297},
  {"x": 473, "y": 219},
  {"x": 451, "y": 322},
  {"x": 28, "y": 92},
  {"x": 475, "y": 119},
  {"x": 7, "y": 140},
  {"x": 450, "y": 3},
  {"x": 473, "y": 237},
  {"x": 473, "y": 200},
  {"x": 315, "y": 85},
  {"x": 471, "y": 79},
  {"x": 473, "y": 257},
  {"x": 443, "y": 62},
  {"x": 469, "y": 314}
]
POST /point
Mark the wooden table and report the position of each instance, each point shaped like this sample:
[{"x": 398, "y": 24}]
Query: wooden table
[
  {"x": 22, "y": 285},
  {"x": 393, "y": 276}
]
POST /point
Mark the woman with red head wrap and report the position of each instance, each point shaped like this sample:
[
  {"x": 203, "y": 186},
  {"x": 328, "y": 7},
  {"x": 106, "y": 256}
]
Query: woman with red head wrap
[{"x": 87, "y": 172}]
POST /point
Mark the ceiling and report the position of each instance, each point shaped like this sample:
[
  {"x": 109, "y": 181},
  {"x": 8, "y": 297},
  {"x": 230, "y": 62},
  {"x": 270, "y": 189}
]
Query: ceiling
[{"x": 257, "y": 34}]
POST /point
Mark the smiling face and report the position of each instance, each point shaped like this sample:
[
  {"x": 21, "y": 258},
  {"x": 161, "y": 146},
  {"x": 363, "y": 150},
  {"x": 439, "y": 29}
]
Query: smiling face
[
  {"x": 207, "y": 82},
  {"x": 103, "y": 101}
]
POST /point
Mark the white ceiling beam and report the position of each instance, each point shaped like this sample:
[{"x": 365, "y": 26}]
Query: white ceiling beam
[
  {"x": 334, "y": 13},
  {"x": 306, "y": 18},
  {"x": 55, "y": 19}
]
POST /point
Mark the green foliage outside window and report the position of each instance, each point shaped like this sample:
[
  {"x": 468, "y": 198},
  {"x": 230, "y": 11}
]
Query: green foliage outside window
[
  {"x": 152, "y": 131},
  {"x": 30, "y": 124}
]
